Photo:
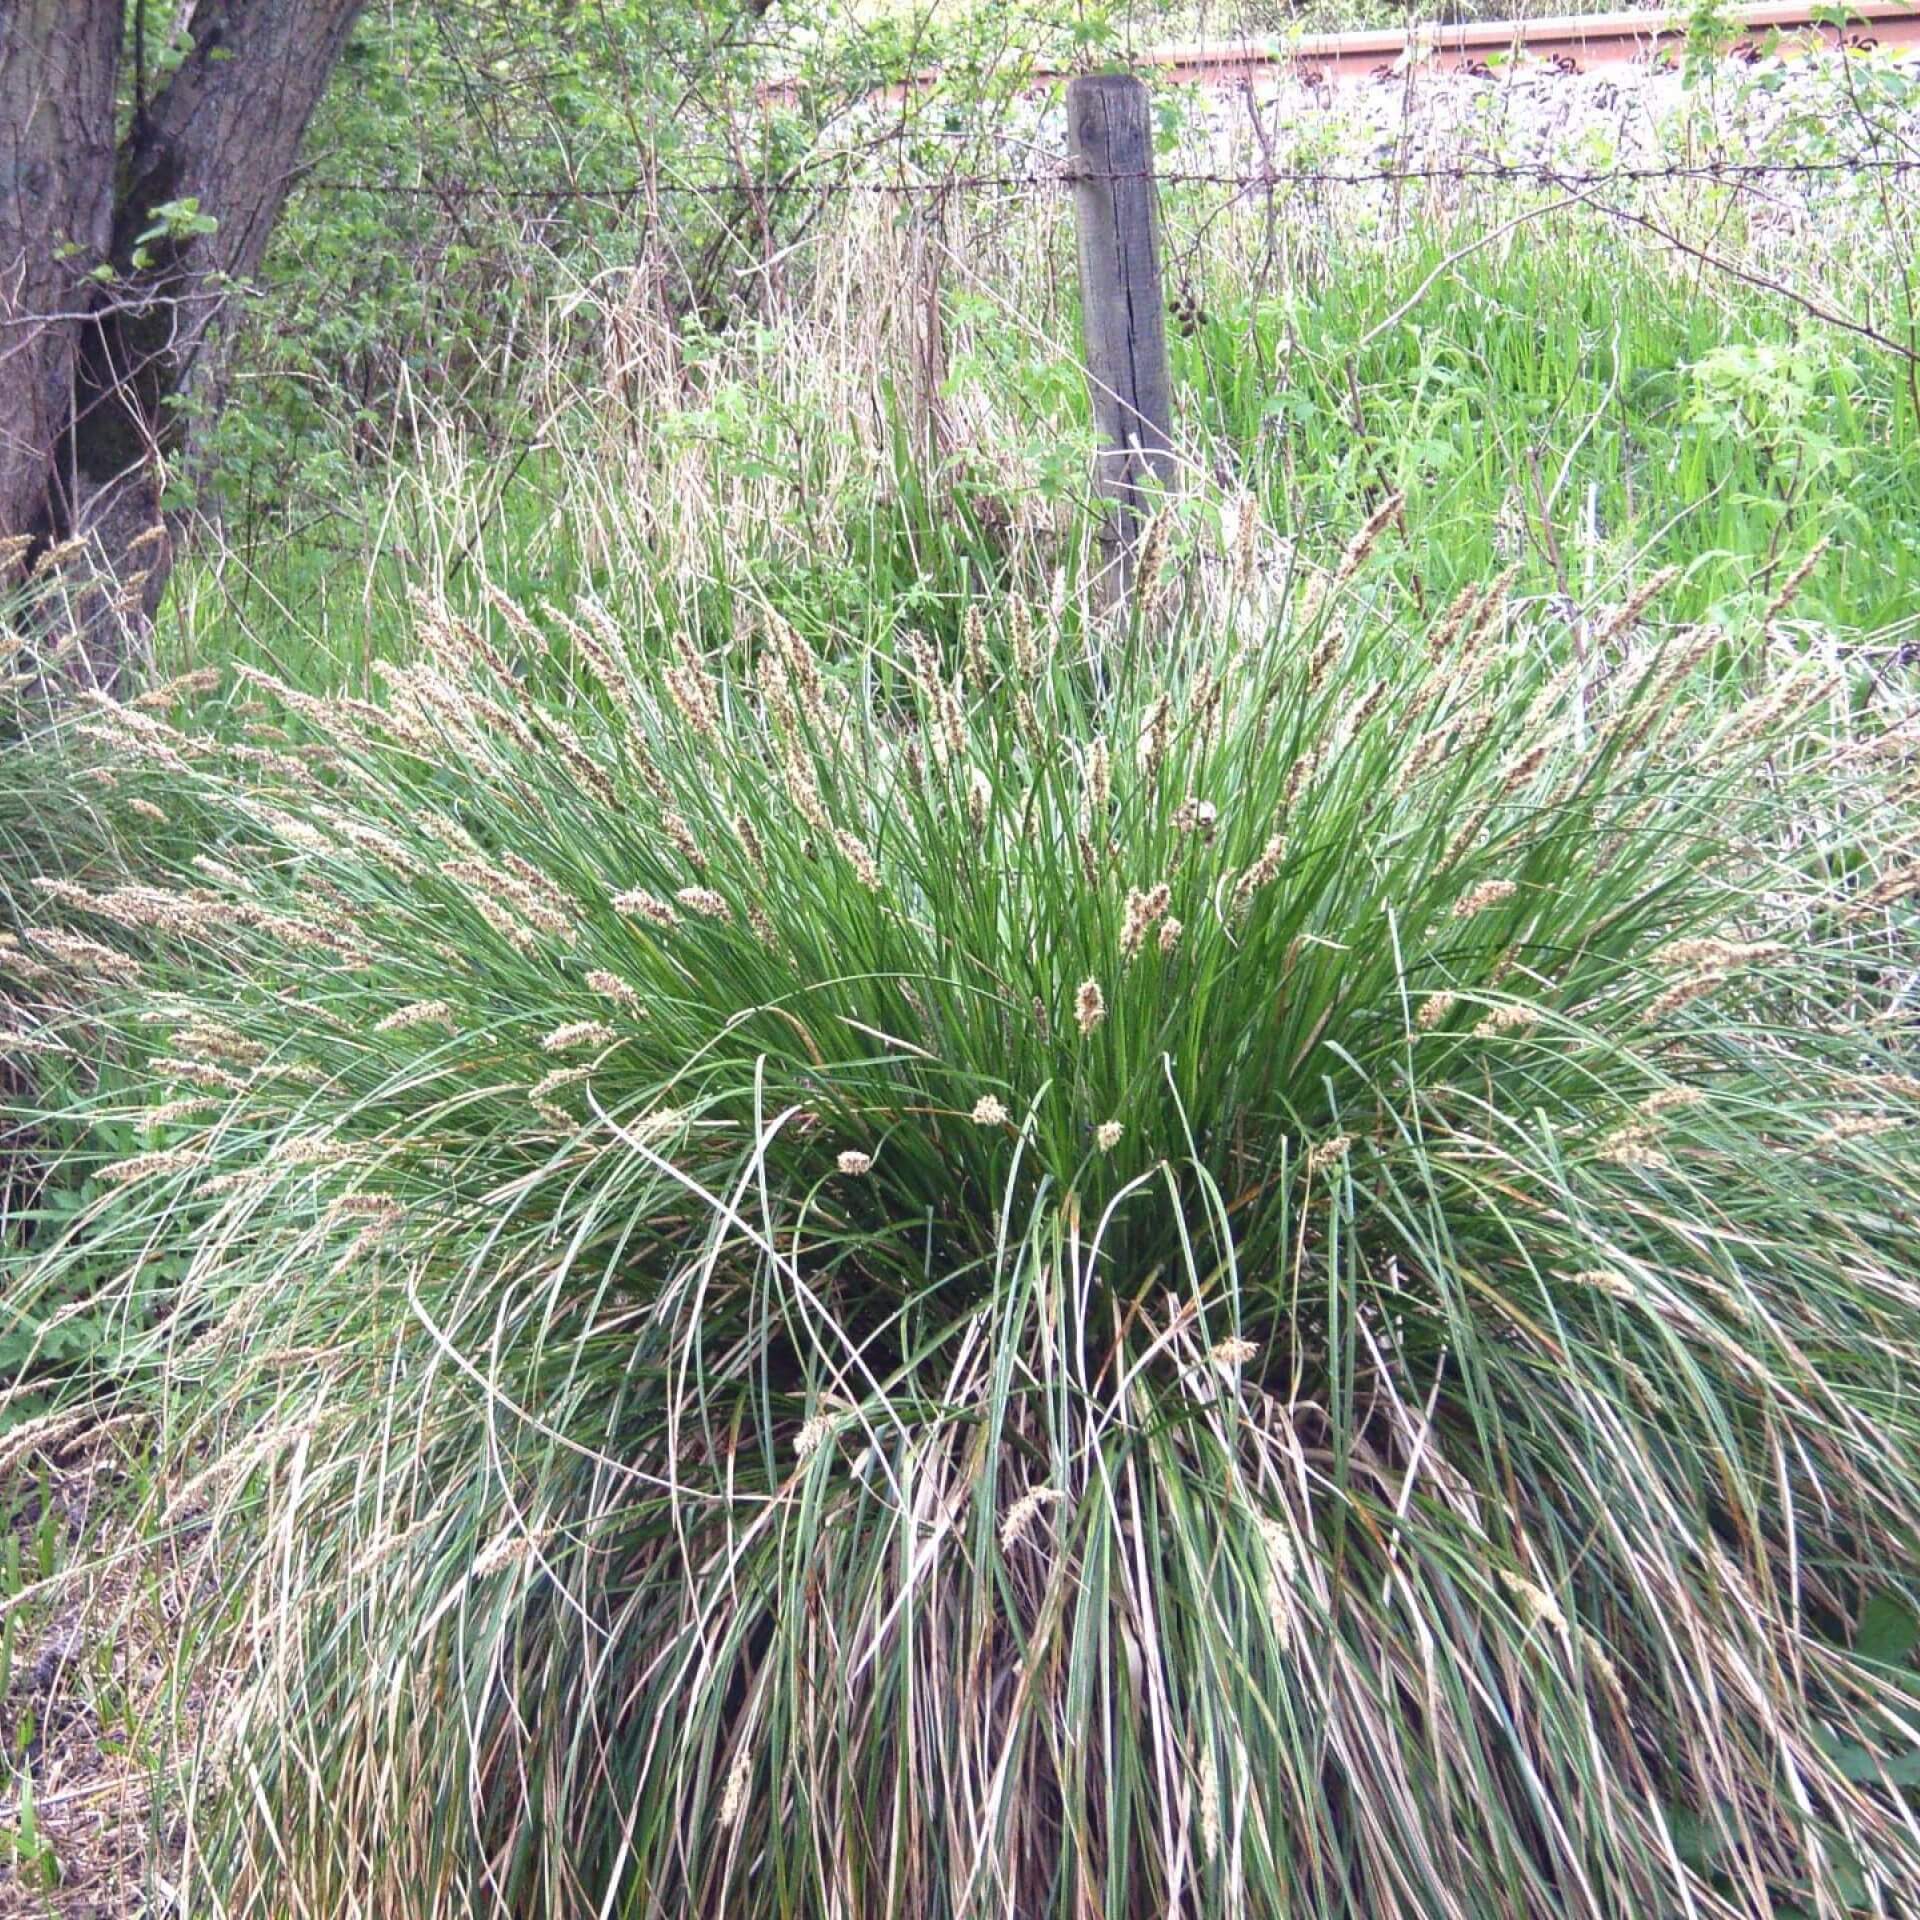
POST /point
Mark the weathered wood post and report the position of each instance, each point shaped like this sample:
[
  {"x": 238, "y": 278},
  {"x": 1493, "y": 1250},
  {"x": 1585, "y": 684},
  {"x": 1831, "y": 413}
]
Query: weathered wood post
[{"x": 1123, "y": 311}]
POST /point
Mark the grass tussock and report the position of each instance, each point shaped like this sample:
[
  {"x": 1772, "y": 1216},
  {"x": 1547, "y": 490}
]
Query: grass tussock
[{"x": 1254, "y": 1264}]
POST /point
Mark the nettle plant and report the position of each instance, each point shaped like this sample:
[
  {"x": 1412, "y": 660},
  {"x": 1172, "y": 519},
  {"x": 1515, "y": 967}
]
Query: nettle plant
[{"x": 1254, "y": 1260}]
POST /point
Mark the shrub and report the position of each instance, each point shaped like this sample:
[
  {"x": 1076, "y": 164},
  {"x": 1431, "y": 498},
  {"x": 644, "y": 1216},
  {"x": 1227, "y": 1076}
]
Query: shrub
[{"x": 1256, "y": 1263}]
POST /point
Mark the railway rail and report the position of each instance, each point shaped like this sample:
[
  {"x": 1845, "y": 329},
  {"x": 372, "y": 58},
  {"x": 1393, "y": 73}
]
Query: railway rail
[{"x": 1573, "y": 43}]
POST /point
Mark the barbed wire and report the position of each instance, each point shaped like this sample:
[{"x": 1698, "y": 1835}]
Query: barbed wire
[{"x": 1063, "y": 178}]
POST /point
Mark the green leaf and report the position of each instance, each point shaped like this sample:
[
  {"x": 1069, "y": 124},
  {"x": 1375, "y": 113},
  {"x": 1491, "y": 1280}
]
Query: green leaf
[{"x": 1888, "y": 1631}]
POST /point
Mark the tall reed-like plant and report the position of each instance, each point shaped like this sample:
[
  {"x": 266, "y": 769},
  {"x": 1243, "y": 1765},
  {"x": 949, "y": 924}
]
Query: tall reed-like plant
[{"x": 1255, "y": 1264}]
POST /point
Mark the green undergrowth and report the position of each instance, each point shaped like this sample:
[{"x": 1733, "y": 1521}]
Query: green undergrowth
[
  {"x": 1562, "y": 403},
  {"x": 1558, "y": 399}
]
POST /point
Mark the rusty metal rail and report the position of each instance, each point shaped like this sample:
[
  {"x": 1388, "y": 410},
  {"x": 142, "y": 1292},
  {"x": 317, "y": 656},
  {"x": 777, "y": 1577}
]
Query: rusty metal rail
[{"x": 1572, "y": 43}]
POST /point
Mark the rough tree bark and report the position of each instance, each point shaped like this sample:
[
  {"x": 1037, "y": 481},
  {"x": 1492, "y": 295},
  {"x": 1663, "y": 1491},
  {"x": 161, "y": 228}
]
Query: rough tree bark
[
  {"x": 103, "y": 383},
  {"x": 57, "y": 65}
]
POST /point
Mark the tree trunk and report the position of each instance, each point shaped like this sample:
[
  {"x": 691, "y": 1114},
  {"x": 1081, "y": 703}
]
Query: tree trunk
[
  {"x": 57, "y": 63},
  {"x": 105, "y": 382}
]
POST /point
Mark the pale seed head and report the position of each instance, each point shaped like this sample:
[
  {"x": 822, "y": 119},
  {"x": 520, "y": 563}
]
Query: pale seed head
[
  {"x": 1026, "y": 656},
  {"x": 1155, "y": 735},
  {"x": 704, "y": 900},
  {"x": 577, "y": 1034},
  {"x": 979, "y": 798},
  {"x": 1672, "y": 1100},
  {"x": 1512, "y": 1018},
  {"x": 1143, "y": 909},
  {"x": 1246, "y": 533},
  {"x": 1362, "y": 542},
  {"x": 1635, "y": 1147},
  {"x": 150, "y": 1166},
  {"x": 1020, "y": 1516},
  {"x": 974, "y": 640},
  {"x": 1196, "y": 816},
  {"x": 674, "y": 826},
  {"x": 858, "y": 858},
  {"x": 417, "y": 1013},
  {"x": 1089, "y": 1006},
  {"x": 1261, "y": 873},
  {"x": 733, "y": 1796},
  {"x": 1328, "y": 1153},
  {"x": 1150, "y": 579},
  {"x": 748, "y": 836},
  {"x": 1535, "y": 1602},
  {"x": 541, "y": 1094},
  {"x": 1489, "y": 893},
  {"x": 612, "y": 987},
  {"x": 642, "y": 905},
  {"x": 1099, "y": 789}
]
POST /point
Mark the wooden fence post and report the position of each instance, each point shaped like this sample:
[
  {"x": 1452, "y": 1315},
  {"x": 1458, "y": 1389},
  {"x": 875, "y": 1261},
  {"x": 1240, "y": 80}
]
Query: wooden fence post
[{"x": 1123, "y": 310}]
